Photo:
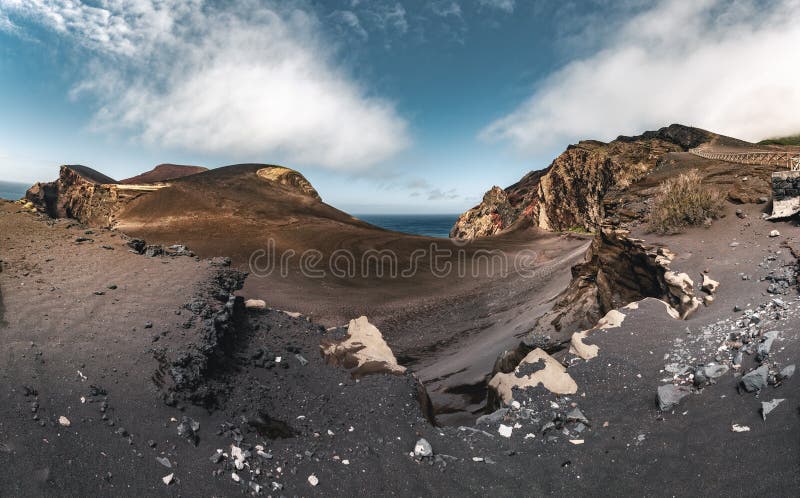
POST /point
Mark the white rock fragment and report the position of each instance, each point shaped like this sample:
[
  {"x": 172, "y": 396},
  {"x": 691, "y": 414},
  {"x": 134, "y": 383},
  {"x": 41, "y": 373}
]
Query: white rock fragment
[
  {"x": 255, "y": 304},
  {"x": 312, "y": 480},
  {"x": 505, "y": 430},
  {"x": 363, "y": 352},
  {"x": 64, "y": 421},
  {"x": 477, "y": 459},
  {"x": 576, "y": 441},
  {"x": 768, "y": 406},
  {"x": 235, "y": 477},
  {"x": 238, "y": 457},
  {"x": 168, "y": 479},
  {"x": 709, "y": 285},
  {"x": 423, "y": 448},
  {"x": 774, "y": 233},
  {"x": 740, "y": 428}
]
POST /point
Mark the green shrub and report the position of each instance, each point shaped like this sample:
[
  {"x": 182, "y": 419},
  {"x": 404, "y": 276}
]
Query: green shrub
[{"x": 684, "y": 201}]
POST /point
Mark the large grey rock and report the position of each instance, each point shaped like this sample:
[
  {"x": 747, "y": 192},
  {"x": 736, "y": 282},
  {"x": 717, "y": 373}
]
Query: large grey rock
[
  {"x": 755, "y": 380},
  {"x": 669, "y": 396},
  {"x": 715, "y": 371}
]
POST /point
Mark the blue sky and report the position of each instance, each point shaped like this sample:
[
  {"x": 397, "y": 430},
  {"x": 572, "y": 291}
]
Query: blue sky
[{"x": 385, "y": 105}]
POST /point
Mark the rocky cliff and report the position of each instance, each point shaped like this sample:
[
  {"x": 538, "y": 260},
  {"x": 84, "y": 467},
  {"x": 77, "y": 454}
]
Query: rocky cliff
[
  {"x": 80, "y": 193},
  {"x": 569, "y": 193}
]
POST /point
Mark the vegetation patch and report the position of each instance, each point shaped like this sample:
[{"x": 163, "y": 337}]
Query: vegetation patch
[
  {"x": 792, "y": 140},
  {"x": 684, "y": 201}
]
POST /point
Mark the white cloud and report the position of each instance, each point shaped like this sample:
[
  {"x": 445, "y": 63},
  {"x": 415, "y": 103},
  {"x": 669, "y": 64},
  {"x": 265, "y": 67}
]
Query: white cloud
[
  {"x": 351, "y": 20},
  {"x": 253, "y": 81},
  {"x": 730, "y": 67},
  {"x": 504, "y": 5},
  {"x": 446, "y": 8}
]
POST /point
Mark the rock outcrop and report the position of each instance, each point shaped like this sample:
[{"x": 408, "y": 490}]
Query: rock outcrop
[
  {"x": 80, "y": 193},
  {"x": 289, "y": 178},
  {"x": 363, "y": 351},
  {"x": 569, "y": 193},
  {"x": 552, "y": 376}
]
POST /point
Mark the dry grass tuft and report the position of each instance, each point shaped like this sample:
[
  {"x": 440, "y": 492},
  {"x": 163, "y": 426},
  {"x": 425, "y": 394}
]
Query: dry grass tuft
[{"x": 684, "y": 201}]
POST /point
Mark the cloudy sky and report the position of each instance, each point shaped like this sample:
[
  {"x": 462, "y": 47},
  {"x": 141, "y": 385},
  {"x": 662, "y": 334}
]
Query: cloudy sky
[{"x": 385, "y": 105}]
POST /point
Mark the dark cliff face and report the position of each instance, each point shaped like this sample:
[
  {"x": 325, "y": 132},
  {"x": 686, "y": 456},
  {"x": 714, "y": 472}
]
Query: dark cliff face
[
  {"x": 80, "y": 193},
  {"x": 569, "y": 193}
]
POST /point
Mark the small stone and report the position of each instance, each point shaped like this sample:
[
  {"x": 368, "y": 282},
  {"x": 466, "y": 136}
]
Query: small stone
[
  {"x": 188, "y": 428},
  {"x": 765, "y": 347},
  {"x": 774, "y": 233},
  {"x": 301, "y": 359},
  {"x": 235, "y": 477},
  {"x": 737, "y": 309},
  {"x": 787, "y": 372},
  {"x": 216, "y": 457},
  {"x": 64, "y": 421},
  {"x": 505, "y": 430},
  {"x": 168, "y": 479},
  {"x": 423, "y": 449},
  {"x": 740, "y": 428},
  {"x": 151, "y": 443},
  {"x": 164, "y": 461},
  {"x": 122, "y": 432},
  {"x": 768, "y": 406},
  {"x": 148, "y": 325},
  {"x": 313, "y": 480},
  {"x": 670, "y": 395},
  {"x": 577, "y": 416}
]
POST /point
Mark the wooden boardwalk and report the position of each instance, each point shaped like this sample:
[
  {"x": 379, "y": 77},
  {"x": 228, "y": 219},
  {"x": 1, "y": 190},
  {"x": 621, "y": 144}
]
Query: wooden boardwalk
[{"x": 789, "y": 160}]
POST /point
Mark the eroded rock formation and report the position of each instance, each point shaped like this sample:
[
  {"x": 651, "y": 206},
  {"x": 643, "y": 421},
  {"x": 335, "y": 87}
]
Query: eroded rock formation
[
  {"x": 363, "y": 351},
  {"x": 569, "y": 193},
  {"x": 288, "y": 178},
  {"x": 80, "y": 193}
]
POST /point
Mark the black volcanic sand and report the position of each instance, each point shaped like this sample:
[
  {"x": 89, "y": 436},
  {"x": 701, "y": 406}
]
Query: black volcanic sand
[
  {"x": 448, "y": 328},
  {"x": 57, "y": 327}
]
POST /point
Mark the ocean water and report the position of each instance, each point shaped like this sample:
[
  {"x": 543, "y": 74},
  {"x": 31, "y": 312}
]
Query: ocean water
[
  {"x": 430, "y": 225},
  {"x": 13, "y": 190}
]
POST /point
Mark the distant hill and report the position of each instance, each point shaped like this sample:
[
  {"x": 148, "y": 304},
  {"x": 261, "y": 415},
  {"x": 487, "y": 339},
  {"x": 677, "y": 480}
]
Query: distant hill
[
  {"x": 791, "y": 140},
  {"x": 164, "y": 172}
]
